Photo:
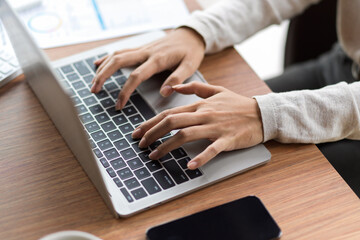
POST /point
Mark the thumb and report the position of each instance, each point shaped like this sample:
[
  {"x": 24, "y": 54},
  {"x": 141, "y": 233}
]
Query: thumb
[{"x": 202, "y": 90}]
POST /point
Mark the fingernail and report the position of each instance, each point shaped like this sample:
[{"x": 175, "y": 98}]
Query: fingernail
[
  {"x": 142, "y": 143},
  {"x": 166, "y": 91},
  {"x": 177, "y": 86},
  {"x": 118, "y": 105},
  {"x": 136, "y": 134},
  {"x": 154, "y": 154},
  {"x": 192, "y": 165}
]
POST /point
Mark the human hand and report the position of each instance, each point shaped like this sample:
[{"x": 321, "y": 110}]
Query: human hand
[
  {"x": 229, "y": 120},
  {"x": 182, "y": 50}
]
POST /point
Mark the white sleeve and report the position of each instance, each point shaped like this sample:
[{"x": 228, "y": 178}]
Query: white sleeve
[
  {"x": 312, "y": 116},
  {"x": 232, "y": 21}
]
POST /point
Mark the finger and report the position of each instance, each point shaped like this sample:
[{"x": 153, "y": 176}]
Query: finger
[
  {"x": 140, "y": 74},
  {"x": 101, "y": 60},
  {"x": 169, "y": 123},
  {"x": 202, "y": 90},
  {"x": 112, "y": 65},
  {"x": 210, "y": 152},
  {"x": 181, "y": 73},
  {"x": 144, "y": 127},
  {"x": 183, "y": 136}
]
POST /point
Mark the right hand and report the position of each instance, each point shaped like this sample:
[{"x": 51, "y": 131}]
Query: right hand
[{"x": 183, "y": 50}]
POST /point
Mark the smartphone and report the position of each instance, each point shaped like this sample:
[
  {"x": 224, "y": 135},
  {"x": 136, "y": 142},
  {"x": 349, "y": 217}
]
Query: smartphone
[{"x": 245, "y": 218}]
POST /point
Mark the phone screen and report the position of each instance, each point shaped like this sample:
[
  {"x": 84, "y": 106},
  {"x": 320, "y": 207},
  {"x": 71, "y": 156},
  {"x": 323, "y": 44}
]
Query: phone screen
[{"x": 245, "y": 218}]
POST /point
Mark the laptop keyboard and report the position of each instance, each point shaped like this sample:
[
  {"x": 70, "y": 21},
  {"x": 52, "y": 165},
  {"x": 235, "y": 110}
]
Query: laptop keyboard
[{"x": 109, "y": 131}]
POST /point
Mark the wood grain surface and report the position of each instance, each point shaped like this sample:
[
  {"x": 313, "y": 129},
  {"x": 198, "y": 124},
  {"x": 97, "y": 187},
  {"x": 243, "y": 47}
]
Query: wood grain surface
[{"x": 43, "y": 189}]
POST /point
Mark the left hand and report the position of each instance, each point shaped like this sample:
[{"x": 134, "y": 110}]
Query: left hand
[{"x": 229, "y": 120}]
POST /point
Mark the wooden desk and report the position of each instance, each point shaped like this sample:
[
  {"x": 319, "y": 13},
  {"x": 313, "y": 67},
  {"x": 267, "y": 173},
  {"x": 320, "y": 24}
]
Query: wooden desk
[{"x": 44, "y": 189}]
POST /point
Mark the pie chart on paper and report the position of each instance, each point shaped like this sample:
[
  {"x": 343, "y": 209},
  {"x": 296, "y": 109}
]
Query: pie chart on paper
[{"x": 45, "y": 23}]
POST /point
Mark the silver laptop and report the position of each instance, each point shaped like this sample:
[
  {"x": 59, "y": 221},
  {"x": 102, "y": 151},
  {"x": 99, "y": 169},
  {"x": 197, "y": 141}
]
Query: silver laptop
[
  {"x": 100, "y": 137},
  {"x": 9, "y": 66}
]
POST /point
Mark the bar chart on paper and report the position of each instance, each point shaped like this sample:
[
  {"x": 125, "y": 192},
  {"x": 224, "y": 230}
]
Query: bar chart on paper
[{"x": 58, "y": 23}]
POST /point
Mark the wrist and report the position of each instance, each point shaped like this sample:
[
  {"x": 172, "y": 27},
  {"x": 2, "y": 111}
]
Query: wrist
[{"x": 193, "y": 35}]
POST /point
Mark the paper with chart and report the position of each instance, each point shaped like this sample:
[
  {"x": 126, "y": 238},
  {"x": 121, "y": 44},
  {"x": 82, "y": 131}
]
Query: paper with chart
[{"x": 64, "y": 22}]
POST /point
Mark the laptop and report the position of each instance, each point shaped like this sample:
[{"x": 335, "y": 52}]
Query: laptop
[
  {"x": 9, "y": 66},
  {"x": 100, "y": 137}
]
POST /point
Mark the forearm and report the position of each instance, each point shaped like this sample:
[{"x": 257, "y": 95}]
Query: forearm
[
  {"x": 312, "y": 116},
  {"x": 232, "y": 21}
]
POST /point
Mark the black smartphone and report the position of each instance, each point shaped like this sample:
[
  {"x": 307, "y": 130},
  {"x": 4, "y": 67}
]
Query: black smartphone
[{"x": 245, "y": 218}]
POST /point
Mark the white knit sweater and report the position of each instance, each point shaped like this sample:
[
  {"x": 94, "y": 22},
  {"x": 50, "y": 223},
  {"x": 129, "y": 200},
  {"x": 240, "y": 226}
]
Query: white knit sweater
[{"x": 324, "y": 115}]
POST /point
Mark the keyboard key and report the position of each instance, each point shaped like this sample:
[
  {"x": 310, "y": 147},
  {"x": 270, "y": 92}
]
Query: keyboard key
[
  {"x": 101, "y": 118},
  {"x": 137, "y": 119},
  {"x": 118, "y": 163},
  {"x": 88, "y": 79},
  {"x": 96, "y": 109},
  {"x": 118, "y": 182},
  {"x": 164, "y": 179},
  {"x": 142, "y": 106},
  {"x": 128, "y": 154},
  {"x": 81, "y": 68},
  {"x": 120, "y": 80},
  {"x": 109, "y": 126},
  {"x": 77, "y": 85},
  {"x": 121, "y": 144},
  {"x": 151, "y": 186},
  {"x": 142, "y": 173},
  {"x": 135, "y": 163},
  {"x": 155, "y": 144},
  {"x": 106, "y": 144},
  {"x": 112, "y": 111},
  {"x": 183, "y": 162},
  {"x": 107, "y": 103},
  {"x": 97, "y": 153},
  {"x": 92, "y": 127},
  {"x": 130, "y": 139},
  {"x": 85, "y": 118},
  {"x": 119, "y": 120},
  {"x": 110, "y": 86},
  {"x": 175, "y": 171},
  {"x": 81, "y": 109},
  {"x": 137, "y": 149},
  {"x": 90, "y": 101},
  {"x": 126, "y": 128},
  {"x": 111, "y": 154},
  {"x": 92, "y": 144},
  {"x": 131, "y": 183},
  {"x": 104, "y": 162},
  {"x": 84, "y": 93},
  {"x": 145, "y": 156},
  {"x": 111, "y": 172},
  {"x": 139, "y": 193},
  {"x": 101, "y": 94},
  {"x": 178, "y": 153},
  {"x": 98, "y": 136},
  {"x": 115, "y": 94},
  {"x": 125, "y": 173},
  {"x": 117, "y": 73},
  {"x": 165, "y": 158},
  {"x": 76, "y": 100},
  {"x": 126, "y": 195},
  {"x": 102, "y": 55},
  {"x": 67, "y": 69},
  {"x": 153, "y": 166},
  {"x": 72, "y": 77},
  {"x": 193, "y": 173},
  {"x": 114, "y": 135},
  {"x": 129, "y": 111},
  {"x": 90, "y": 62}
]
